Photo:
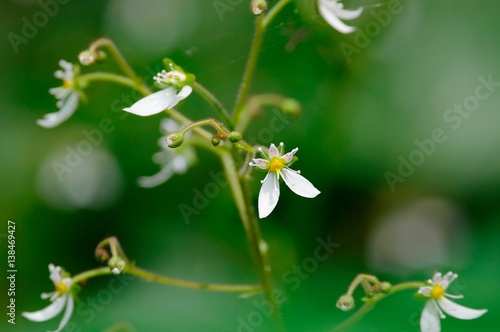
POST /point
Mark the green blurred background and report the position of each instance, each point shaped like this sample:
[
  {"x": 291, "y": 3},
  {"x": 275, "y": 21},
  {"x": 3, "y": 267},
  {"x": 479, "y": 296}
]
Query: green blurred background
[{"x": 361, "y": 115}]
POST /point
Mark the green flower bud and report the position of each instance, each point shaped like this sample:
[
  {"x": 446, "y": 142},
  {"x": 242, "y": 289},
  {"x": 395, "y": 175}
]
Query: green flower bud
[
  {"x": 345, "y": 302},
  {"x": 116, "y": 264},
  {"x": 386, "y": 287},
  {"x": 175, "y": 140},
  {"x": 215, "y": 141},
  {"x": 291, "y": 106},
  {"x": 235, "y": 137}
]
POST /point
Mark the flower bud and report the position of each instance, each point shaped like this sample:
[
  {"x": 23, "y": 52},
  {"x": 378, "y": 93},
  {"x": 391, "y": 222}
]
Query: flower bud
[
  {"x": 258, "y": 6},
  {"x": 235, "y": 137},
  {"x": 345, "y": 302},
  {"x": 215, "y": 141},
  {"x": 291, "y": 106},
  {"x": 116, "y": 264},
  {"x": 175, "y": 140},
  {"x": 87, "y": 57},
  {"x": 102, "y": 255},
  {"x": 385, "y": 287}
]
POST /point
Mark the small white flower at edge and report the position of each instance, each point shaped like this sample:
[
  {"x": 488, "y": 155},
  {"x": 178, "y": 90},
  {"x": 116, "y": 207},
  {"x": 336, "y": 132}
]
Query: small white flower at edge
[
  {"x": 172, "y": 161},
  {"x": 164, "y": 99},
  {"x": 60, "y": 298},
  {"x": 333, "y": 12},
  {"x": 438, "y": 302},
  {"x": 67, "y": 97},
  {"x": 277, "y": 163}
]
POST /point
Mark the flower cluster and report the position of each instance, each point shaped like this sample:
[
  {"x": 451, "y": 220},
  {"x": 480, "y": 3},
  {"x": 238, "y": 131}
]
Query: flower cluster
[
  {"x": 438, "y": 302},
  {"x": 277, "y": 164},
  {"x": 60, "y": 298},
  {"x": 174, "y": 89},
  {"x": 67, "y": 95}
]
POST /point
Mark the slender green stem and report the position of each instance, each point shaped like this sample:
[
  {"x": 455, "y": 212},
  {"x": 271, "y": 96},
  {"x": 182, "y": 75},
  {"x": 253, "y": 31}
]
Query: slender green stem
[
  {"x": 239, "y": 106},
  {"x": 212, "y": 100},
  {"x": 108, "y": 43},
  {"x": 167, "y": 280},
  {"x": 258, "y": 246},
  {"x": 90, "y": 274},
  {"x": 369, "y": 304},
  {"x": 222, "y": 131},
  {"x": 85, "y": 79},
  {"x": 271, "y": 14},
  {"x": 190, "y": 284}
]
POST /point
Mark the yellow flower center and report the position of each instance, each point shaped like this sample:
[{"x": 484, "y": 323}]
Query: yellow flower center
[
  {"x": 276, "y": 164},
  {"x": 61, "y": 288},
  {"x": 437, "y": 292},
  {"x": 67, "y": 84}
]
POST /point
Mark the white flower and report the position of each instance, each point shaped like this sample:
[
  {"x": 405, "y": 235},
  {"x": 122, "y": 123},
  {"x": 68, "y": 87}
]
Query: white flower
[
  {"x": 333, "y": 12},
  {"x": 277, "y": 164},
  {"x": 172, "y": 161},
  {"x": 164, "y": 99},
  {"x": 438, "y": 302},
  {"x": 66, "y": 94},
  {"x": 60, "y": 298}
]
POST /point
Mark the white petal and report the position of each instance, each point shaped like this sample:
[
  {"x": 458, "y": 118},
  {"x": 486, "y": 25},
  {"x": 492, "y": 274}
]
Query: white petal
[
  {"x": 260, "y": 163},
  {"x": 448, "y": 278},
  {"x": 69, "y": 106},
  {"x": 340, "y": 12},
  {"x": 159, "y": 101},
  {"x": 48, "y": 312},
  {"x": 269, "y": 195},
  {"x": 168, "y": 126},
  {"x": 458, "y": 311},
  {"x": 330, "y": 16},
  {"x": 425, "y": 291},
  {"x": 273, "y": 151},
  {"x": 155, "y": 180},
  {"x": 45, "y": 296},
  {"x": 299, "y": 184},
  {"x": 289, "y": 156},
  {"x": 67, "y": 314},
  {"x": 429, "y": 321}
]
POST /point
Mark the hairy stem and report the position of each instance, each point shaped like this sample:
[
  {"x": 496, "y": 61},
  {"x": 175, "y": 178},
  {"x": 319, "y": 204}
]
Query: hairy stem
[
  {"x": 258, "y": 246},
  {"x": 239, "y": 106}
]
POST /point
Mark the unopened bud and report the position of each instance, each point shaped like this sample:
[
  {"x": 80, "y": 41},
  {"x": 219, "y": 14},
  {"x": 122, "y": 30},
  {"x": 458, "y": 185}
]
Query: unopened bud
[
  {"x": 88, "y": 57},
  {"x": 235, "y": 137},
  {"x": 345, "y": 302},
  {"x": 385, "y": 287},
  {"x": 102, "y": 255},
  {"x": 258, "y": 6},
  {"x": 291, "y": 106},
  {"x": 116, "y": 264},
  {"x": 215, "y": 141},
  {"x": 175, "y": 140}
]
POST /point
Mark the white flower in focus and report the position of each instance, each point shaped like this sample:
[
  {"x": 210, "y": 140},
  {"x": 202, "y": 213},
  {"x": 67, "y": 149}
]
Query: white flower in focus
[
  {"x": 60, "y": 298},
  {"x": 333, "y": 12},
  {"x": 277, "y": 163},
  {"x": 164, "y": 99},
  {"x": 438, "y": 302},
  {"x": 172, "y": 161},
  {"x": 66, "y": 94}
]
